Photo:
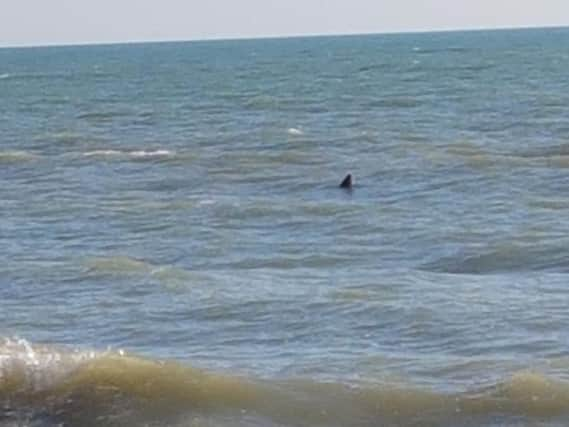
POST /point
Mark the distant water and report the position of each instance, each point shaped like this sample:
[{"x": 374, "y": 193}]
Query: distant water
[{"x": 176, "y": 250}]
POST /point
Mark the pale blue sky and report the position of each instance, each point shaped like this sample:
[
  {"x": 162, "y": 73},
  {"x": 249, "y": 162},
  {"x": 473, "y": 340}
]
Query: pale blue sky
[{"x": 39, "y": 22}]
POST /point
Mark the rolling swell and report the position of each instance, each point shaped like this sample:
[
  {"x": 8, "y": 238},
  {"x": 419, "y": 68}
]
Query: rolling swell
[
  {"x": 122, "y": 266},
  {"x": 507, "y": 257},
  {"x": 52, "y": 386},
  {"x": 16, "y": 156}
]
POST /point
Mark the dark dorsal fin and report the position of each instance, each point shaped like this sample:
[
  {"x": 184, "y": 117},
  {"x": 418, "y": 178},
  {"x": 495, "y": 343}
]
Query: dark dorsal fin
[{"x": 347, "y": 182}]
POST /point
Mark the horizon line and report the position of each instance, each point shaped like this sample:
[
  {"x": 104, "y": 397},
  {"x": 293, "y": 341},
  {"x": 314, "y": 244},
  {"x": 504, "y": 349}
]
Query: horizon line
[{"x": 280, "y": 36}]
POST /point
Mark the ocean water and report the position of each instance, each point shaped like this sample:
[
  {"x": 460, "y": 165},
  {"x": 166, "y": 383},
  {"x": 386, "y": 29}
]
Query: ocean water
[{"x": 175, "y": 250}]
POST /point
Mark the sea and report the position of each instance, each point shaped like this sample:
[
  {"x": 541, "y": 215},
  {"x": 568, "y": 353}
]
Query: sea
[{"x": 175, "y": 249}]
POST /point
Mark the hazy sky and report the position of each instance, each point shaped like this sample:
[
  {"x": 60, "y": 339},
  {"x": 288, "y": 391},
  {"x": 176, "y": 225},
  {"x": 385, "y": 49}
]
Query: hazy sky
[{"x": 32, "y": 22}]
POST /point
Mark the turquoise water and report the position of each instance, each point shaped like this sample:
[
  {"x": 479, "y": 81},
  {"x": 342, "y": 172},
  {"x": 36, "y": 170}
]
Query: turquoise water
[{"x": 176, "y": 250}]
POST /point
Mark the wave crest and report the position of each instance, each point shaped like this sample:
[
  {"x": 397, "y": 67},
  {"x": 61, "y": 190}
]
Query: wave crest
[
  {"x": 169, "y": 276},
  {"x": 132, "y": 153},
  {"x": 16, "y": 156},
  {"x": 503, "y": 258},
  {"x": 76, "y": 387}
]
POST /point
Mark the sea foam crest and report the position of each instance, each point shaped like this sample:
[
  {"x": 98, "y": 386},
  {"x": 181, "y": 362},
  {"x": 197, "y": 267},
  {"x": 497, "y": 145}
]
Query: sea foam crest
[
  {"x": 143, "y": 153},
  {"x": 295, "y": 131},
  {"x": 36, "y": 367},
  {"x": 97, "y": 153},
  {"x": 133, "y": 153}
]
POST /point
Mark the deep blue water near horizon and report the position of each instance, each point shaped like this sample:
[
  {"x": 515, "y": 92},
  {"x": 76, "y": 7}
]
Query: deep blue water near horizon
[{"x": 176, "y": 250}]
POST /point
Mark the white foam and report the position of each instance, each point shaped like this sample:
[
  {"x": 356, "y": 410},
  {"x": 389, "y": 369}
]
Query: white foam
[
  {"x": 156, "y": 153},
  {"x": 4, "y": 76},
  {"x": 295, "y": 131},
  {"x": 102, "y": 153},
  {"x": 38, "y": 366},
  {"x": 136, "y": 153}
]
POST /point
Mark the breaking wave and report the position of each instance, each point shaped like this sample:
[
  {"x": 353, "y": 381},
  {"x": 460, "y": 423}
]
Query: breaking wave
[{"x": 59, "y": 386}]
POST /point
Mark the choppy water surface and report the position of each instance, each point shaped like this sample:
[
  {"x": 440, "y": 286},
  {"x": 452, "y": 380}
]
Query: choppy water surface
[{"x": 176, "y": 251}]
